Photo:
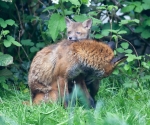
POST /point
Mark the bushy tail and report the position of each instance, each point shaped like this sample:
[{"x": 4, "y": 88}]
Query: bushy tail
[{"x": 118, "y": 59}]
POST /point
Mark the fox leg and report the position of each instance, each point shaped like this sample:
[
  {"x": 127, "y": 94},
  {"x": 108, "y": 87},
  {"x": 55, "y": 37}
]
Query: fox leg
[
  {"x": 62, "y": 85},
  {"x": 81, "y": 82},
  {"x": 94, "y": 87},
  {"x": 51, "y": 96}
]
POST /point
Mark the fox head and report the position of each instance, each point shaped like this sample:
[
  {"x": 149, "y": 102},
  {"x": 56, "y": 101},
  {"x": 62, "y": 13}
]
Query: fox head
[{"x": 78, "y": 30}]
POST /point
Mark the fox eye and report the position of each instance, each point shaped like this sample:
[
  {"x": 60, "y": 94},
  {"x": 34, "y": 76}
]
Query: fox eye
[
  {"x": 78, "y": 32},
  {"x": 69, "y": 32}
]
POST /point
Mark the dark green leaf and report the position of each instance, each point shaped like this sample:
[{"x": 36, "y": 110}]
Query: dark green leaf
[
  {"x": 34, "y": 49},
  {"x": 40, "y": 45},
  {"x": 27, "y": 42},
  {"x": 139, "y": 29},
  {"x": 6, "y": 73},
  {"x": 3, "y": 24},
  {"x": 145, "y": 34},
  {"x": 148, "y": 22}
]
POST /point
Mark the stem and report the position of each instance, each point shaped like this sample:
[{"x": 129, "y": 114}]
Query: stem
[
  {"x": 133, "y": 48},
  {"x": 62, "y": 8}
]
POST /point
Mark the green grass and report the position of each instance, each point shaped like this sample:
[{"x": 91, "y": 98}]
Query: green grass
[{"x": 118, "y": 104}]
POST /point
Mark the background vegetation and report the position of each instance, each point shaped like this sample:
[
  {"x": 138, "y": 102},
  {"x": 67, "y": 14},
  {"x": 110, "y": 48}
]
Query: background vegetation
[{"x": 26, "y": 26}]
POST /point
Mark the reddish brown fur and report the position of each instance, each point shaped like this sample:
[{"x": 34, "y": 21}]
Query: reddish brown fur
[{"x": 50, "y": 68}]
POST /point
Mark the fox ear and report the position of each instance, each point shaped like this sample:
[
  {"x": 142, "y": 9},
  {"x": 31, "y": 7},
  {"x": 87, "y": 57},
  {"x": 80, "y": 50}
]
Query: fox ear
[
  {"x": 68, "y": 21},
  {"x": 87, "y": 23}
]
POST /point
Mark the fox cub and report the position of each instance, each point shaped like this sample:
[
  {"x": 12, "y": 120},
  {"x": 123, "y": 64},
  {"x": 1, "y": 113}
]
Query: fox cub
[
  {"x": 78, "y": 30},
  {"x": 55, "y": 65}
]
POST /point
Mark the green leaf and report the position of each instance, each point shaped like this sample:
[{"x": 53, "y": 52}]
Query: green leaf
[
  {"x": 96, "y": 21},
  {"x": 6, "y": 60},
  {"x": 128, "y": 51},
  {"x": 5, "y": 86},
  {"x": 80, "y": 18},
  {"x": 92, "y": 13},
  {"x": 27, "y": 42},
  {"x": 56, "y": 24},
  {"x": 3, "y": 24},
  {"x": 144, "y": 64},
  {"x": 146, "y": 1},
  {"x": 68, "y": 12},
  {"x": 10, "y": 38},
  {"x": 131, "y": 57},
  {"x": 120, "y": 50},
  {"x": 16, "y": 43},
  {"x": 146, "y": 6},
  {"x": 139, "y": 9},
  {"x": 115, "y": 37},
  {"x": 34, "y": 49},
  {"x": 10, "y": 22},
  {"x": 116, "y": 72},
  {"x": 114, "y": 31},
  {"x": 7, "y": 43},
  {"x": 4, "y": 32},
  {"x": 145, "y": 34},
  {"x": 134, "y": 20},
  {"x": 40, "y": 45},
  {"x": 123, "y": 22},
  {"x": 75, "y": 2},
  {"x": 122, "y": 32},
  {"x": 2, "y": 80},
  {"x": 105, "y": 32},
  {"x": 139, "y": 29},
  {"x": 111, "y": 7},
  {"x": 49, "y": 8},
  {"x": 6, "y": 73},
  {"x": 126, "y": 67},
  {"x": 101, "y": 7},
  {"x": 147, "y": 22},
  {"x": 128, "y": 8},
  {"x": 98, "y": 36},
  {"x": 124, "y": 45}
]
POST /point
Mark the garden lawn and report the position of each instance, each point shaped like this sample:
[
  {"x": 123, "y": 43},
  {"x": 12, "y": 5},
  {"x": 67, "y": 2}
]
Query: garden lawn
[{"x": 118, "y": 104}]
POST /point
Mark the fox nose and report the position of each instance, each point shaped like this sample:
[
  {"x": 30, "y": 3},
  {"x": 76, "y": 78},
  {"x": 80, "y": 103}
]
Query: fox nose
[{"x": 70, "y": 38}]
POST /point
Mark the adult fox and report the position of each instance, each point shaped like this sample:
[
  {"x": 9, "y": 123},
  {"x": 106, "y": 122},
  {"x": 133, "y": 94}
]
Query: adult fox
[{"x": 55, "y": 65}]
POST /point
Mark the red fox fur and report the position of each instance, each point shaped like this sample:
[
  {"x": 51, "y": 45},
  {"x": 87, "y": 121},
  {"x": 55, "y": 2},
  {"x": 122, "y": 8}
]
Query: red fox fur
[{"x": 55, "y": 65}]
